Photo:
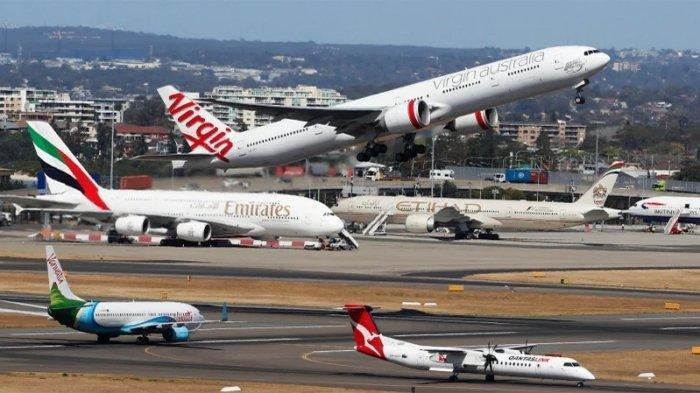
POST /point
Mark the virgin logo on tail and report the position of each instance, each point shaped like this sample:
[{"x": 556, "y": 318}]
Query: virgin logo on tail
[{"x": 201, "y": 133}]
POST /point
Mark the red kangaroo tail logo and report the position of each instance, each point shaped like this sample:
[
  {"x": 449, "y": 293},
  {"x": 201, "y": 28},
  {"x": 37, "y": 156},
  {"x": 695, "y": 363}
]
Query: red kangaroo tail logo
[
  {"x": 368, "y": 339},
  {"x": 204, "y": 130}
]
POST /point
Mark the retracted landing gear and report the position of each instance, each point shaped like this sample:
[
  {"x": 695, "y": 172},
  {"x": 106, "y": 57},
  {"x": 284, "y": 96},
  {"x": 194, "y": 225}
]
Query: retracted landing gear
[
  {"x": 410, "y": 149},
  {"x": 372, "y": 149},
  {"x": 580, "y": 99}
]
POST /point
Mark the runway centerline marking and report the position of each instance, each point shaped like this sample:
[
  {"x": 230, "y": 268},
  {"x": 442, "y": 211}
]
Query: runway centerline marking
[
  {"x": 23, "y": 304},
  {"x": 23, "y": 312},
  {"x": 308, "y": 359},
  {"x": 242, "y": 341},
  {"x": 46, "y": 333},
  {"x": 33, "y": 346}
]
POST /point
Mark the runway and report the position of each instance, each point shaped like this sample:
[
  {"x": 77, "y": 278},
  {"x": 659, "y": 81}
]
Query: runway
[{"x": 315, "y": 347}]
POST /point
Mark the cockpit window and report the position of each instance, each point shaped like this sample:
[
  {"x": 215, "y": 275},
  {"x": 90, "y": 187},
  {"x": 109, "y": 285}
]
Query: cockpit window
[
  {"x": 576, "y": 364},
  {"x": 567, "y": 364},
  {"x": 590, "y": 52},
  {"x": 328, "y": 214}
]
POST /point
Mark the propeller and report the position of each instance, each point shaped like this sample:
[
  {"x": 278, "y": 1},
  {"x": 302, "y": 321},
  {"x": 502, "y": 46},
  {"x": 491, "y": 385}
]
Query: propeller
[{"x": 490, "y": 358}]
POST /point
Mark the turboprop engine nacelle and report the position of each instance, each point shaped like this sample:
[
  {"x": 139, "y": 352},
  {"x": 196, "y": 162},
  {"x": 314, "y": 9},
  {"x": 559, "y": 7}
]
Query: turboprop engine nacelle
[
  {"x": 193, "y": 231},
  {"x": 132, "y": 225},
  {"x": 482, "y": 120},
  {"x": 176, "y": 334},
  {"x": 420, "y": 223},
  {"x": 406, "y": 117}
]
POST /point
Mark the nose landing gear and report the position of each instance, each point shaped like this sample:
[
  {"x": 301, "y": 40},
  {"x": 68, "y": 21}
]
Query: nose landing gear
[{"x": 580, "y": 99}]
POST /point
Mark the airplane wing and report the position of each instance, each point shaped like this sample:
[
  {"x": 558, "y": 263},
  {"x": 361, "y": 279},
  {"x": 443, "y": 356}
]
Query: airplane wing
[
  {"x": 219, "y": 228},
  {"x": 331, "y": 114},
  {"x": 450, "y": 215},
  {"x": 596, "y": 215},
  {"x": 446, "y": 350},
  {"x": 174, "y": 157}
]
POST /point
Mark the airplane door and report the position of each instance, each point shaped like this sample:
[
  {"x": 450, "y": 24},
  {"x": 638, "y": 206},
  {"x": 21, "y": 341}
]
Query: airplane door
[
  {"x": 242, "y": 148},
  {"x": 494, "y": 81}
]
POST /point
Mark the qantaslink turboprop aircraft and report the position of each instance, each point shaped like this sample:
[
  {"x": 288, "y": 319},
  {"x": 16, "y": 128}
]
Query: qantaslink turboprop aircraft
[{"x": 461, "y": 102}]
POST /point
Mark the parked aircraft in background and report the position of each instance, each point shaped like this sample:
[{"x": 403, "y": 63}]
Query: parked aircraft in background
[
  {"x": 194, "y": 216},
  {"x": 461, "y": 102},
  {"x": 480, "y": 217},
  {"x": 668, "y": 210},
  {"x": 513, "y": 361},
  {"x": 175, "y": 321}
]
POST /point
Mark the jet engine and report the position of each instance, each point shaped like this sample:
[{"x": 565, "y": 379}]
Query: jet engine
[
  {"x": 193, "y": 231},
  {"x": 176, "y": 334},
  {"x": 132, "y": 225},
  {"x": 420, "y": 223},
  {"x": 407, "y": 117},
  {"x": 468, "y": 124}
]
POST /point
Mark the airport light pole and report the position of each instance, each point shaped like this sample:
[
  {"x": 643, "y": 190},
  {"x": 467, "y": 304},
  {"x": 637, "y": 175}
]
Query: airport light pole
[
  {"x": 111, "y": 156},
  {"x": 432, "y": 167}
]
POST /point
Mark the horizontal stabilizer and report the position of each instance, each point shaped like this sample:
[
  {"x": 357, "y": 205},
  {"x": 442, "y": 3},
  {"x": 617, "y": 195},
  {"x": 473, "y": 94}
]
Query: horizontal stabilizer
[{"x": 31, "y": 202}]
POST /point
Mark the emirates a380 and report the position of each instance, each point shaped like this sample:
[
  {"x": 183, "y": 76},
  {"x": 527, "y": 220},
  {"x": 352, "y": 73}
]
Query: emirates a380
[
  {"x": 461, "y": 102},
  {"x": 188, "y": 216}
]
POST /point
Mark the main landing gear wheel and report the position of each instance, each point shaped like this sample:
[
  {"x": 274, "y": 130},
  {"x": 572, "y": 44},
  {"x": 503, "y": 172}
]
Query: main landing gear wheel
[
  {"x": 377, "y": 149},
  {"x": 363, "y": 157},
  {"x": 452, "y": 378},
  {"x": 490, "y": 378},
  {"x": 102, "y": 339},
  {"x": 579, "y": 98},
  {"x": 579, "y": 384},
  {"x": 142, "y": 340}
]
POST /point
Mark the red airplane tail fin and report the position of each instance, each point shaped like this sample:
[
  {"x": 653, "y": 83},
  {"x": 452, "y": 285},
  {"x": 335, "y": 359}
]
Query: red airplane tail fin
[{"x": 368, "y": 339}]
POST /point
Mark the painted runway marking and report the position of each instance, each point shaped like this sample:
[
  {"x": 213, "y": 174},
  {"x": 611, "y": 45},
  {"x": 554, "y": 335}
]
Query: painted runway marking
[
  {"x": 452, "y": 334},
  {"x": 276, "y": 327},
  {"x": 14, "y": 311},
  {"x": 46, "y": 333},
  {"x": 655, "y": 318},
  {"x": 148, "y": 351},
  {"x": 23, "y": 304},
  {"x": 32, "y": 346},
  {"x": 243, "y": 341},
  {"x": 681, "y": 328}
]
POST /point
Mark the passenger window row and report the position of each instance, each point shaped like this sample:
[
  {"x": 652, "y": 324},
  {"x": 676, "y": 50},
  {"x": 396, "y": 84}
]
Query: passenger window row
[
  {"x": 277, "y": 137},
  {"x": 461, "y": 87},
  {"x": 524, "y": 69}
]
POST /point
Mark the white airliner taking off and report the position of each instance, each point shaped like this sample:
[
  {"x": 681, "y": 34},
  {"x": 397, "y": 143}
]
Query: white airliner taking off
[
  {"x": 513, "y": 361},
  {"x": 460, "y": 102},
  {"x": 467, "y": 216},
  {"x": 107, "y": 320},
  {"x": 195, "y": 216}
]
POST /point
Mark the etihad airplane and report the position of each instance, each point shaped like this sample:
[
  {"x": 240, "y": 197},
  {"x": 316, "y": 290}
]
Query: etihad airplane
[
  {"x": 174, "y": 320},
  {"x": 480, "y": 217},
  {"x": 192, "y": 216},
  {"x": 663, "y": 209},
  {"x": 512, "y": 361},
  {"x": 461, "y": 102}
]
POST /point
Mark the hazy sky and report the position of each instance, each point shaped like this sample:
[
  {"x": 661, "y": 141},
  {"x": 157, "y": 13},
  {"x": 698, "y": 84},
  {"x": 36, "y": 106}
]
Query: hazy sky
[{"x": 500, "y": 23}]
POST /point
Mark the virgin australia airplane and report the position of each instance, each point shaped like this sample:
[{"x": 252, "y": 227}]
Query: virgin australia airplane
[
  {"x": 460, "y": 102},
  {"x": 175, "y": 321},
  {"x": 514, "y": 361},
  {"x": 194, "y": 216}
]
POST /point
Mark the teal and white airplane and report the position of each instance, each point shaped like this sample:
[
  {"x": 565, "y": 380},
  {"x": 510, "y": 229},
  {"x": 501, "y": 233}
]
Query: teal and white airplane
[{"x": 174, "y": 320}]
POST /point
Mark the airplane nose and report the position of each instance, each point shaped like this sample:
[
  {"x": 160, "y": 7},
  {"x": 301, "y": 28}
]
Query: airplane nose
[
  {"x": 587, "y": 375},
  {"x": 605, "y": 59},
  {"x": 337, "y": 225}
]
